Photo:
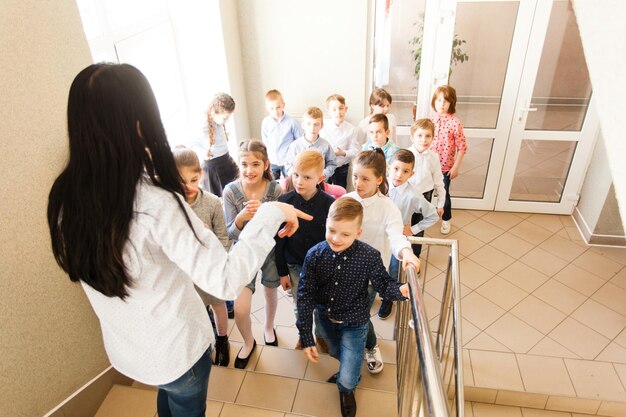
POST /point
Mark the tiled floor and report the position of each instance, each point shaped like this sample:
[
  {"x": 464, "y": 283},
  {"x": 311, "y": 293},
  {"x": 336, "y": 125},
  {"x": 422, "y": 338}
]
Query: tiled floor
[{"x": 542, "y": 312}]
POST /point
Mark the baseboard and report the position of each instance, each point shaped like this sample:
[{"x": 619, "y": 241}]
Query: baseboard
[
  {"x": 86, "y": 400},
  {"x": 595, "y": 239}
]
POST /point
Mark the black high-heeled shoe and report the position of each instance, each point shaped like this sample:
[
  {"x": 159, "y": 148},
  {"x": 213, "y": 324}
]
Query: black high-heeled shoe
[
  {"x": 274, "y": 343},
  {"x": 222, "y": 351},
  {"x": 241, "y": 363}
]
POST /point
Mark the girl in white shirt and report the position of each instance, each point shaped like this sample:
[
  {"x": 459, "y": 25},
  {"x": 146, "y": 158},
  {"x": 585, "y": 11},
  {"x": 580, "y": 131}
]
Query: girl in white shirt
[{"x": 120, "y": 226}]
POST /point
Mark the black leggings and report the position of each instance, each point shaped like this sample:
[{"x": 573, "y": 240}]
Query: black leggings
[{"x": 416, "y": 218}]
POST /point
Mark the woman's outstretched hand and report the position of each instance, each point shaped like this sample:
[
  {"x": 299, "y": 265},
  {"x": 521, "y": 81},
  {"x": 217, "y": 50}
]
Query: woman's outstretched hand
[{"x": 291, "y": 218}]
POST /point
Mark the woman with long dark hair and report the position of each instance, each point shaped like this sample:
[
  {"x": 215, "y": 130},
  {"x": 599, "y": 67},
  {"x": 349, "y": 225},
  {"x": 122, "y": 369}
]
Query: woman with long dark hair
[{"x": 119, "y": 225}]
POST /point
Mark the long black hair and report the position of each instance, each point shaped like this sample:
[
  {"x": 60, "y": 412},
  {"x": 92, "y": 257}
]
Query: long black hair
[{"x": 115, "y": 135}]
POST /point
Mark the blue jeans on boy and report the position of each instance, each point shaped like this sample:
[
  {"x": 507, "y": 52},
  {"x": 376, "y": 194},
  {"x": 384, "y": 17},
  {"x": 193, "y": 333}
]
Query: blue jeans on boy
[
  {"x": 346, "y": 343},
  {"x": 277, "y": 170},
  {"x": 186, "y": 396}
]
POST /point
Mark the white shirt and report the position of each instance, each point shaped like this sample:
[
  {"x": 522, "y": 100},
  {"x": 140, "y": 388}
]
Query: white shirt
[
  {"x": 161, "y": 329},
  {"x": 382, "y": 225},
  {"x": 428, "y": 174},
  {"x": 201, "y": 144},
  {"x": 363, "y": 129},
  {"x": 344, "y": 137},
  {"x": 409, "y": 200}
]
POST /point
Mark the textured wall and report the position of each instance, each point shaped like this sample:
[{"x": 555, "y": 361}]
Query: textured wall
[{"x": 50, "y": 341}]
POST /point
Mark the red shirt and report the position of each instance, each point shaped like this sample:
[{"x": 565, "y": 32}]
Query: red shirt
[{"x": 449, "y": 139}]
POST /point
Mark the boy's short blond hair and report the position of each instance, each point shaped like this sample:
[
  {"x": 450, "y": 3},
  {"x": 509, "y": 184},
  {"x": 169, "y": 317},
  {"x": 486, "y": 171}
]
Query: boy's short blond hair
[
  {"x": 314, "y": 113},
  {"x": 336, "y": 97},
  {"x": 425, "y": 124},
  {"x": 309, "y": 159},
  {"x": 346, "y": 208},
  {"x": 273, "y": 95}
]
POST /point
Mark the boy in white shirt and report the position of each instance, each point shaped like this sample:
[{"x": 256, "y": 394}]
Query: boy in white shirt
[
  {"x": 278, "y": 131},
  {"x": 342, "y": 136}
]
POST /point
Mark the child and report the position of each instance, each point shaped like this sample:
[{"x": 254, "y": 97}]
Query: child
[
  {"x": 449, "y": 142},
  {"x": 382, "y": 228},
  {"x": 312, "y": 123},
  {"x": 242, "y": 199},
  {"x": 208, "y": 208},
  {"x": 278, "y": 131},
  {"x": 342, "y": 136},
  {"x": 335, "y": 278},
  {"x": 410, "y": 201},
  {"x": 427, "y": 171},
  {"x": 380, "y": 100},
  {"x": 379, "y": 136},
  {"x": 212, "y": 147},
  {"x": 306, "y": 175}
]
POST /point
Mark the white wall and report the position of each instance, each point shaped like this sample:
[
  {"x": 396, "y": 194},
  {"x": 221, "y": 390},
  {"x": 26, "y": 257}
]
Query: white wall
[
  {"x": 596, "y": 186},
  {"x": 307, "y": 50}
]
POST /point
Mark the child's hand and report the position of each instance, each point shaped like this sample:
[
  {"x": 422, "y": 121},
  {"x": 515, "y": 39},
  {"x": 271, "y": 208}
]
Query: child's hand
[
  {"x": 407, "y": 230},
  {"x": 440, "y": 211},
  {"x": 339, "y": 151},
  {"x": 409, "y": 259},
  {"x": 311, "y": 353},
  {"x": 454, "y": 172},
  {"x": 404, "y": 289},
  {"x": 285, "y": 282},
  {"x": 292, "y": 215}
]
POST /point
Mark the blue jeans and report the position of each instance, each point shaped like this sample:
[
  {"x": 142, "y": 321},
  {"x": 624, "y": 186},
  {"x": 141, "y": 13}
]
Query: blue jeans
[
  {"x": 186, "y": 397},
  {"x": 277, "y": 170},
  {"x": 346, "y": 343}
]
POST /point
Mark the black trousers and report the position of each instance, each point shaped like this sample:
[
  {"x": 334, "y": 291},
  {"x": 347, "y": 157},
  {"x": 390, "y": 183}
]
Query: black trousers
[
  {"x": 217, "y": 172},
  {"x": 416, "y": 218}
]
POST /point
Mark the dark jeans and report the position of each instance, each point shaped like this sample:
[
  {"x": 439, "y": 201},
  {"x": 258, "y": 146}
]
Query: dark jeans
[
  {"x": 340, "y": 177},
  {"x": 416, "y": 218},
  {"x": 277, "y": 170},
  {"x": 447, "y": 208},
  {"x": 186, "y": 397}
]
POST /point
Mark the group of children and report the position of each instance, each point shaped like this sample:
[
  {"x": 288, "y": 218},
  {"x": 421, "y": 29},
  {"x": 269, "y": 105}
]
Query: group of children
[{"x": 337, "y": 262}]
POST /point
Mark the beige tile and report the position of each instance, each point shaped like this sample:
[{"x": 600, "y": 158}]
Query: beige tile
[
  {"x": 485, "y": 342},
  {"x": 595, "y": 380},
  {"x": 545, "y": 375},
  {"x": 521, "y": 399},
  {"x": 285, "y": 315},
  {"x": 491, "y": 258},
  {"x": 496, "y": 370},
  {"x": 614, "y": 253},
  {"x": 538, "y": 314},
  {"x": 501, "y": 219},
  {"x": 467, "y": 242},
  {"x": 621, "y": 339},
  {"x": 600, "y": 318},
  {"x": 490, "y": 410},
  {"x": 567, "y": 221},
  {"x": 563, "y": 248},
  {"x": 236, "y": 410},
  {"x": 502, "y": 292},
  {"x": 376, "y": 403},
  {"x": 468, "y": 376},
  {"x": 579, "y": 405},
  {"x": 543, "y": 261},
  {"x": 123, "y": 401},
  {"x": 522, "y": 275},
  {"x": 86, "y": 402},
  {"x": 597, "y": 264},
  {"x": 388, "y": 350},
  {"x": 580, "y": 280},
  {"x": 530, "y": 232},
  {"x": 257, "y": 333},
  {"x": 514, "y": 333},
  {"x": 511, "y": 245},
  {"x": 325, "y": 367},
  {"x": 548, "y": 347},
  {"x": 620, "y": 279},
  {"x": 224, "y": 383},
  {"x": 433, "y": 308},
  {"x": 483, "y": 230},
  {"x": 282, "y": 362},
  {"x": 549, "y": 222},
  {"x": 472, "y": 274},
  {"x": 533, "y": 412},
  {"x": 468, "y": 411},
  {"x": 559, "y": 296},
  {"x": 579, "y": 338},
  {"x": 621, "y": 372},
  {"x": 317, "y": 399},
  {"x": 612, "y": 297},
  {"x": 612, "y": 353},
  {"x": 436, "y": 286},
  {"x": 234, "y": 351},
  {"x": 468, "y": 331},
  {"x": 574, "y": 235},
  {"x": 385, "y": 328},
  {"x": 57, "y": 413},
  {"x": 613, "y": 409},
  {"x": 213, "y": 408},
  {"x": 438, "y": 256},
  {"x": 480, "y": 311},
  {"x": 267, "y": 391},
  {"x": 481, "y": 395},
  {"x": 384, "y": 381},
  {"x": 287, "y": 336}
]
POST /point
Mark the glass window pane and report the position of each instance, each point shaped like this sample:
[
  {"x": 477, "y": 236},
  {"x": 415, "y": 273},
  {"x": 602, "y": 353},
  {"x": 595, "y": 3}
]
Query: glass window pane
[
  {"x": 542, "y": 169},
  {"x": 562, "y": 89},
  {"x": 394, "y": 67},
  {"x": 473, "y": 174},
  {"x": 483, "y": 35}
]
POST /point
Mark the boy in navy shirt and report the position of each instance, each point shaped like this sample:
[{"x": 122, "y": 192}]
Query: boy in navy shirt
[{"x": 334, "y": 281}]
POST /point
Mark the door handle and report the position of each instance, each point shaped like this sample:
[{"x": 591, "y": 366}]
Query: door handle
[{"x": 523, "y": 112}]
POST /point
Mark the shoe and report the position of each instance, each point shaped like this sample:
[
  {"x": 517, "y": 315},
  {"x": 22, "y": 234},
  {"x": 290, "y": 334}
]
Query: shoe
[
  {"x": 445, "y": 227},
  {"x": 333, "y": 379},
  {"x": 385, "y": 310},
  {"x": 288, "y": 292},
  {"x": 374, "y": 360},
  {"x": 222, "y": 351},
  {"x": 321, "y": 344},
  {"x": 274, "y": 343},
  {"x": 347, "y": 402},
  {"x": 241, "y": 363}
]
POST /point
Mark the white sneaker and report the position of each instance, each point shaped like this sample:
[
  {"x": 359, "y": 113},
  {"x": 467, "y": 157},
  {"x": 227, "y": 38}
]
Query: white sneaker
[
  {"x": 374, "y": 360},
  {"x": 288, "y": 292},
  {"x": 445, "y": 227}
]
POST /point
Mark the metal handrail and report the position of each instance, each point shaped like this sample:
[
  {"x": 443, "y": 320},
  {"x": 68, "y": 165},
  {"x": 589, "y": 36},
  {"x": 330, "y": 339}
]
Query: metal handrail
[{"x": 425, "y": 369}]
